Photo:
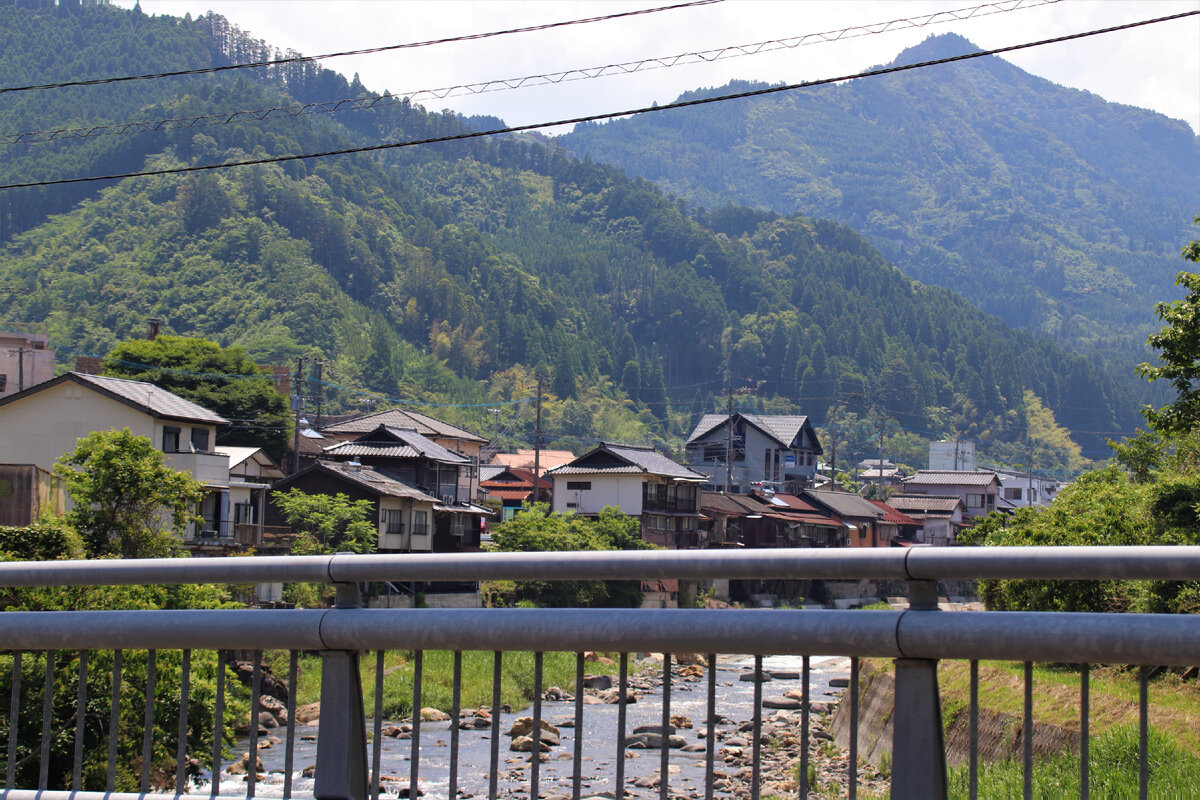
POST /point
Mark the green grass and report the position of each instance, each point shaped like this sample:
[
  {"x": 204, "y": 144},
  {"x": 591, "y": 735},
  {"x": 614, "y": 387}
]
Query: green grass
[
  {"x": 516, "y": 690},
  {"x": 1113, "y": 766}
]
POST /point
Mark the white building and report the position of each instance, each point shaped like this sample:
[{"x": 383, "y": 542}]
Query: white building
[
  {"x": 952, "y": 455},
  {"x": 24, "y": 361},
  {"x": 754, "y": 450},
  {"x": 1021, "y": 489}
]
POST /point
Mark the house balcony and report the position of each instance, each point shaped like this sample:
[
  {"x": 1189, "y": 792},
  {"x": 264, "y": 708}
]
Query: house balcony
[{"x": 211, "y": 469}]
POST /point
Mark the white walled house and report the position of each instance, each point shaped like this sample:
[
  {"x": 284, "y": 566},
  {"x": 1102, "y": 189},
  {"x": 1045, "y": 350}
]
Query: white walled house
[
  {"x": 1025, "y": 489},
  {"x": 640, "y": 482},
  {"x": 40, "y": 424},
  {"x": 977, "y": 490},
  {"x": 761, "y": 450}
]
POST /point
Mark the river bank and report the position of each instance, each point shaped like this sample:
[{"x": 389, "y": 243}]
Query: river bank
[{"x": 686, "y": 766}]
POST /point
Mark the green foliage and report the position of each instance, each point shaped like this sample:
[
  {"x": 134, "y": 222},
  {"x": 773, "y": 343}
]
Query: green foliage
[
  {"x": 1178, "y": 346},
  {"x": 535, "y": 529},
  {"x": 127, "y": 501},
  {"x": 327, "y": 523},
  {"x": 46, "y": 539},
  {"x": 217, "y": 378},
  {"x": 1103, "y": 507}
]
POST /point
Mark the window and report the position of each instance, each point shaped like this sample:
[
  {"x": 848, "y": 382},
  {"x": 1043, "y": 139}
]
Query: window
[
  {"x": 578, "y": 486},
  {"x": 393, "y": 521},
  {"x": 420, "y": 523},
  {"x": 200, "y": 440},
  {"x": 1012, "y": 494},
  {"x": 714, "y": 452},
  {"x": 243, "y": 513},
  {"x": 170, "y": 439},
  {"x": 975, "y": 500}
]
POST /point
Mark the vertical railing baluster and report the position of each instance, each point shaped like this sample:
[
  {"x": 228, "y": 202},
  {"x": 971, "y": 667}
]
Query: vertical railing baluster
[
  {"x": 622, "y": 687},
  {"x": 1085, "y": 701},
  {"x": 414, "y": 765},
  {"x": 852, "y": 766},
  {"x": 664, "y": 758},
  {"x": 1143, "y": 732},
  {"x": 114, "y": 716},
  {"x": 577, "y": 766},
  {"x": 973, "y": 722},
  {"x": 493, "y": 772},
  {"x": 148, "y": 718},
  {"x": 47, "y": 721},
  {"x": 255, "y": 705},
  {"x": 377, "y": 726},
  {"x": 756, "y": 745},
  {"x": 14, "y": 722},
  {"x": 218, "y": 726},
  {"x": 710, "y": 741},
  {"x": 80, "y": 716},
  {"x": 185, "y": 694},
  {"x": 806, "y": 679},
  {"x": 535, "y": 767},
  {"x": 1028, "y": 730},
  {"x": 289, "y": 752},
  {"x": 455, "y": 711}
]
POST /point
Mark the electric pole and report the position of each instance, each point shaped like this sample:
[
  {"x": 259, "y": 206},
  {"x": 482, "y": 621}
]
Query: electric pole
[
  {"x": 20, "y": 369},
  {"x": 729, "y": 441},
  {"x": 537, "y": 444},
  {"x": 297, "y": 407}
]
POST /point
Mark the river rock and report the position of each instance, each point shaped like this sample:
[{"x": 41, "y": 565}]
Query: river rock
[
  {"x": 785, "y": 675},
  {"x": 523, "y": 726},
  {"x": 654, "y": 729},
  {"x": 749, "y": 676},
  {"x": 839, "y": 683},
  {"x": 614, "y": 696},
  {"x": 308, "y": 714},
  {"x": 524, "y": 744},
  {"x": 598, "y": 682},
  {"x": 680, "y": 721},
  {"x": 267, "y": 720},
  {"x": 433, "y": 715},
  {"x": 789, "y": 703}
]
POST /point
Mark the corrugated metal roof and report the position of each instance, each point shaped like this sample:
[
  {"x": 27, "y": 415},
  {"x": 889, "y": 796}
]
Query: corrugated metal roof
[
  {"x": 845, "y": 504},
  {"x": 893, "y": 515},
  {"x": 151, "y": 398}
]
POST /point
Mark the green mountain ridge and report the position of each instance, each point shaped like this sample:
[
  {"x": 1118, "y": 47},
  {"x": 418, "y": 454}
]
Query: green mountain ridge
[
  {"x": 450, "y": 274},
  {"x": 1047, "y": 206}
]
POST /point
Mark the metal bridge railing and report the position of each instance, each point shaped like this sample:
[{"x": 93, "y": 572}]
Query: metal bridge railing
[{"x": 349, "y": 766}]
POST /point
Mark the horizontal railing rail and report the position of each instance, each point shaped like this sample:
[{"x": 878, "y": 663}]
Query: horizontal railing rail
[{"x": 910, "y": 563}]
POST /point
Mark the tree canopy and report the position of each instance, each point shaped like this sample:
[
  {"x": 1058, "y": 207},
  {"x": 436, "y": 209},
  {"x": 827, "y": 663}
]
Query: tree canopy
[
  {"x": 127, "y": 501},
  {"x": 222, "y": 379}
]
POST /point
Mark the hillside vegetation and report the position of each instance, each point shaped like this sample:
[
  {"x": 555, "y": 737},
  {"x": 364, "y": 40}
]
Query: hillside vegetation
[
  {"x": 1047, "y": 206},
  {"x": 452, "y": 274}
]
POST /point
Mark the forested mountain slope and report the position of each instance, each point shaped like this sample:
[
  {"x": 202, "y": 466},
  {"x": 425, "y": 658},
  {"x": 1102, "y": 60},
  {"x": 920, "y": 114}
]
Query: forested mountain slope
[
  {"x": 450, "y": 273},
  {"x": 1048, "y": 206}
]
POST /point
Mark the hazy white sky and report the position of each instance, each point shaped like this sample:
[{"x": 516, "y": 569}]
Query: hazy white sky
[{"x": 1156, "y": 67}]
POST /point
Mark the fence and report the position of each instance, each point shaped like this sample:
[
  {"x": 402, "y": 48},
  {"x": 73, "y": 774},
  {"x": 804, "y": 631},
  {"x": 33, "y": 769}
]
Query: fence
[{"x": 916, "y": 639}]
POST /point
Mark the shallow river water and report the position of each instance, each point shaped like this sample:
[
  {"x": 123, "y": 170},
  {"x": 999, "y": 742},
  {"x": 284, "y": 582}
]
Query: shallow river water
[{"x": 735, "y": 701}]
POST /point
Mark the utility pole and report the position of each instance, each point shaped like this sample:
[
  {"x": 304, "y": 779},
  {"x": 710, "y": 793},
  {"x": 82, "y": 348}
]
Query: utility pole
[
  {"x": 879, "y": 465},
  {"x": 537, "y": 444},
  {"x": 729, "y": 440},
  {"x": 320, "y": 390},
  {"x": 297, "y": 407},
  {"x": 20, "y": 369},
  {"x": 1029, "y": 468},
  {"x": 833, "y": 450}
]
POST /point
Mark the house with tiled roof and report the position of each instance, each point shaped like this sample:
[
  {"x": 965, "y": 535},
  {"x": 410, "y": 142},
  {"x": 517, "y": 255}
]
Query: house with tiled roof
[
  {"x": 458, "y": 440},
  {"x": 524, "y": 459},
  {"x": 640, "y": 482},
  {"x": 513, "y": 488},
  {"x": 978, "y": 489},
  {"x": 754, "y": 450},
  {"x": 41, "y": 423},
  {"x": 941, "y": 517},
  {"x": 860, "y": 517},
  {"x": 895, "y": 526}
]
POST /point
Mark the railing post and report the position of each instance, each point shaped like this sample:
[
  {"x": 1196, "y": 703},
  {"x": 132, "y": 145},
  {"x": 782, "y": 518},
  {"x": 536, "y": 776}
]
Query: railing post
[
  {"x": 341, "y": 772},
  {"x": 918, "y": 743}
]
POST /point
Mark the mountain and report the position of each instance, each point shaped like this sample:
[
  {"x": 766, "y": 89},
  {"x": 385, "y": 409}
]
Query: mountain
[
  {"x": 451, "y": 275},
  {"x": 1049, "y": 207}
]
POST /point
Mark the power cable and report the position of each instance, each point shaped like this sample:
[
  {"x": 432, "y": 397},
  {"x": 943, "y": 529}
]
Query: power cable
[
  {"x": 602, "y": 116},
  {"x": 503, "y": 84},
  {"x": 366, "y": 51}
]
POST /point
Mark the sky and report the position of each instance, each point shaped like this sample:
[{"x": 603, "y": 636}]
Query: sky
[{"x": 1155, "y": 67}]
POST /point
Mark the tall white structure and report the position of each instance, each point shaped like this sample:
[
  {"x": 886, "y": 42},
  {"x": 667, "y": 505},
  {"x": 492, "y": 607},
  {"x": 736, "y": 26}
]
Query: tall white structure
[
  {"x": 24, "y": 361},
  {"x": 953, "y": 454}
]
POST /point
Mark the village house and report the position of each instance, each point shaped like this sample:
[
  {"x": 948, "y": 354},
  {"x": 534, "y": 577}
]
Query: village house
[
  {"x": 640, "y": 482},
  {"x": 748, "y": 451},
  {"x": 941, "y": 517},
  {"x": 40, "y": 424},
  {"x": 860, "y": 517},
  {"x": 1020, "y": 489},
  {"x": 978, "y": 490},
  {"x": 512, "y": 488}
]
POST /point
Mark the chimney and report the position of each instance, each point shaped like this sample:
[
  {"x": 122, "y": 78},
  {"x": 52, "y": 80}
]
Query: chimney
[{"x": 152, "y": 326}]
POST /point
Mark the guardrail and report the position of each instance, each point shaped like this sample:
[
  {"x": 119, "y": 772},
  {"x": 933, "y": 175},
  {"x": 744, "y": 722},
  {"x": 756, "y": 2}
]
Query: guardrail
[{"x": 915, "y": 638}]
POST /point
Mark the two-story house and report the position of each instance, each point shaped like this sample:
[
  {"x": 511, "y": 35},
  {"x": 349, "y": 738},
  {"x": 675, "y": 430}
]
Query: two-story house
[
  {"x": 40, "y": 424},
  {"x": 861, "y": 518},
  {"x": 753, "y": 450},
  {"x": 978, "y": 489},
  {"x": 641, "y": 482},
  {"x": 457, "y": 440}
]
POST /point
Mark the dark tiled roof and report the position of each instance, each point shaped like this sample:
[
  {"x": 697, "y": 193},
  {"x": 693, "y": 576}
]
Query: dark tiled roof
[
  {"x": 395, "y": 443},
  {"x": 931, "y": 477},
  {"x": 150, "y": 398},
  {"x": 892, "y": 515},
  {"x": 626, "y": 459},
  {"x": 924, "y": 503},
  {"x": 373, "y": 480},
  {"x": 784, "y": 429},
  {"x": 408, "y": 420}
]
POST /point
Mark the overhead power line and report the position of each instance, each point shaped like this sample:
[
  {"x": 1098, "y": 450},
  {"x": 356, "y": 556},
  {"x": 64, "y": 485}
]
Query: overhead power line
[
  {"x": 504, "y": 84},
  {"x": 595, "y": 117},
  {"x": 366, "y": 51}
]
